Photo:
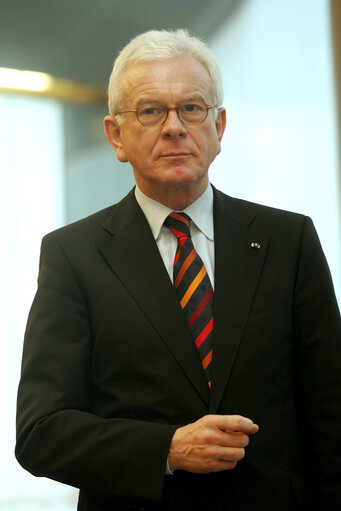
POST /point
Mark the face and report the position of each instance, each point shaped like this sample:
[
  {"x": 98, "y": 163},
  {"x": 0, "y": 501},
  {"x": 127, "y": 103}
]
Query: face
[{"x": 172, "y": 158}]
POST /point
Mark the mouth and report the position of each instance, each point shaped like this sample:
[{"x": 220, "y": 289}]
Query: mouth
[{"x": 175, "y": 155}]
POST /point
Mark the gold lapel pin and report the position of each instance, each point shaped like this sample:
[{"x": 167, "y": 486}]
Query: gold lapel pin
[{"x": 254, "y": 244}]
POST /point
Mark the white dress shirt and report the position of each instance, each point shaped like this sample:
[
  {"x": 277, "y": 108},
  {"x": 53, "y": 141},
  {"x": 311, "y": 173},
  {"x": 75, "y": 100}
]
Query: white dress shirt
[{"x": 202, "y": 231}]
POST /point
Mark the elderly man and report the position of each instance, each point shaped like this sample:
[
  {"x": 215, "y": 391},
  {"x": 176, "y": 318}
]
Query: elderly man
[{"x": 183, "y": 348}]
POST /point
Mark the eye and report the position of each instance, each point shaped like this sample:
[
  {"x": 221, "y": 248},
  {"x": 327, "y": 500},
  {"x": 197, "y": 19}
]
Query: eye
[
  {"x": 150, "y": 110},
  {"x": 150, "y": 115},
  {"x": 192, "y": 108}
]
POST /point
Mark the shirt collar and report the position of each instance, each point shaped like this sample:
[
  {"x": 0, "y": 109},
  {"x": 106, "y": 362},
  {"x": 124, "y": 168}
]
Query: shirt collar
[{"x": 200, "y": 212}]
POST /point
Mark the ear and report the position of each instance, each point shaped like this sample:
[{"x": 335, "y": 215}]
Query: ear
[
  {"x": 220, "y": 124},
  {"x": 112, "y": 131}
]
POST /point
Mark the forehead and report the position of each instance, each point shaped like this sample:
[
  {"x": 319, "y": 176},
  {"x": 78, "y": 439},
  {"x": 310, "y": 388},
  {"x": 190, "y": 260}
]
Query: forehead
[{"x": 167, "y": 80}]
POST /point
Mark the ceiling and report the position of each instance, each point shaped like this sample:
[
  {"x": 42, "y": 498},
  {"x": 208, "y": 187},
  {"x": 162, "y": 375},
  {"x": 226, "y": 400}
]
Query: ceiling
[{"x": 79, "y": 39}]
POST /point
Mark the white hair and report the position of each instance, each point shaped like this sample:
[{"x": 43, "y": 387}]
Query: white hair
[{"x": 162, "y": 45}]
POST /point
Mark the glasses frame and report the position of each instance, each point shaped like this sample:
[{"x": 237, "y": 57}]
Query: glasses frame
[{"x": 167, "y": 110}]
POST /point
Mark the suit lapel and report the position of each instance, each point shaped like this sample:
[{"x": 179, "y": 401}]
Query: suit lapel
[
  {"x": 131, "y": 252},
  {"x": 237, "y": 268}
]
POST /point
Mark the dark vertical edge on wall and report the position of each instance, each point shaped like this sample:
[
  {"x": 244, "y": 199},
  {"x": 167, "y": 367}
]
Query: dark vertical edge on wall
[{"x": 335, "y": 12}]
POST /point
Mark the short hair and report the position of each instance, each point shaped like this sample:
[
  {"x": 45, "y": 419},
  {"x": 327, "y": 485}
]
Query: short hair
[{"x": 162, "y": 45}]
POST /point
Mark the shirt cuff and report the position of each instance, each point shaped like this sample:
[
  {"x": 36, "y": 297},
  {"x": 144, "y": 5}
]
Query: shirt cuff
[{"x": 169, "y": 472}]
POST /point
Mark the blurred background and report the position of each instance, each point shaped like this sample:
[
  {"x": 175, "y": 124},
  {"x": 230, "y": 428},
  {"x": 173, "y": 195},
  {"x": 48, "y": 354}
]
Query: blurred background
[{"x": 280, "y": 65}]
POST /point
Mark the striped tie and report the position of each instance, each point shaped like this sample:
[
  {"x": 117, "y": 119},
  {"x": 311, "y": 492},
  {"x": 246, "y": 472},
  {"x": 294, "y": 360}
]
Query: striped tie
[{"x": 193, "y": 288}]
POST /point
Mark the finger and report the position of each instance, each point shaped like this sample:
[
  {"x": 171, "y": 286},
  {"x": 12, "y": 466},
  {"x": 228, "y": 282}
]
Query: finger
[
  {"x": 226, "y": 438},
  {"x": 233, "y": 439},
  {"x": 217, "y": 459},
  {"x": 236, "y": 423},
  {"x": 232, "y": 454},
  {"x": 227, "y": 454}
]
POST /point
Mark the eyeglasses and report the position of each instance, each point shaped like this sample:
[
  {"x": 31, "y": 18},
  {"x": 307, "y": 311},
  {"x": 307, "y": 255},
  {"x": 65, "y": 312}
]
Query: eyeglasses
[{"x": 154, "y": 115}]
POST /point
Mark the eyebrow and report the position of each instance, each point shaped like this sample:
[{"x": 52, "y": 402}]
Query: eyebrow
[
  {"x": 148, "y": 100},
  {"x": 195, "y": 97}
]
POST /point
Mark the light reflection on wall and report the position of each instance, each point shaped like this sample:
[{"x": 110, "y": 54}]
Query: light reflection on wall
[
  {"x": 31, "y": 204},
  {"x": 280, "y": 147}
]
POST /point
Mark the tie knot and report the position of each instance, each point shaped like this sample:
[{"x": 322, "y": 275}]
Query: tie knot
[{"x": 179, "y": 224}]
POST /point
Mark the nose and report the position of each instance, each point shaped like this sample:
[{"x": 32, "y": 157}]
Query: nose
[{"x": 173, "y": 127}]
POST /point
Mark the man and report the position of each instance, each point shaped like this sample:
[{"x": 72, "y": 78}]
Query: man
[{"x": 183, "y": 350}]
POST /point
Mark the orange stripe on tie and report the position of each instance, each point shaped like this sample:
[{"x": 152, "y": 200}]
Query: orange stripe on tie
[
  {"x": 193, "y": 287},
  {"x": 207, "y": 360},
  {"x": 186, "y": 264},
  {"x": 180, "y": 218}
]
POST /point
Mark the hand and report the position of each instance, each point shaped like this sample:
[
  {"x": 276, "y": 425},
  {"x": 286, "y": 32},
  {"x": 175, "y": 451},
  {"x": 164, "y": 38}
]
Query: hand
[{"x": 211, "y": 444}]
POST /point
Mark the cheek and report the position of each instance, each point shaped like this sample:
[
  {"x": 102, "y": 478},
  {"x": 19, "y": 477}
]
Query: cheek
[
  {"x": 209, "y": 146},
  {"x": 141, "y": 143},
  {"x": 218, "y": 147},
  {"x": 215, "y": 143},
  {"x": 140, "y": 152}
]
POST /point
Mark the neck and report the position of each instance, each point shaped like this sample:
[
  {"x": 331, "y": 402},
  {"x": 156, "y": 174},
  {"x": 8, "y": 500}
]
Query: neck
[{"x": 177, "y": 198}]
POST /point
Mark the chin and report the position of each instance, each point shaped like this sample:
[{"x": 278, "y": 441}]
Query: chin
[{"x": 179, "y": 175}]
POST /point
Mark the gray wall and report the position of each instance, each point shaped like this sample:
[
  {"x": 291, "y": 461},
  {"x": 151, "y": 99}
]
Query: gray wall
[{"x": 94, "y": 178}]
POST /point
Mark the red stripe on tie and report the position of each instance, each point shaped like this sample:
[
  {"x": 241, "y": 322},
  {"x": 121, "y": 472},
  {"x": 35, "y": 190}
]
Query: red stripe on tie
[
  {"x": 200, "y": 307},
  {"x": 178, "y": 234},
  {"x": 181, "y": 241},
  {"x": 204, "y": 333}
]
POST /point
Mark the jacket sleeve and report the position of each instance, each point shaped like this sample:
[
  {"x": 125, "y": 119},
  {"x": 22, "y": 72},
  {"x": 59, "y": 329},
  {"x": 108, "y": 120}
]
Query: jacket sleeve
[
  {"x": 317, "y": 337},
  {"x": 57, "y": 435}
]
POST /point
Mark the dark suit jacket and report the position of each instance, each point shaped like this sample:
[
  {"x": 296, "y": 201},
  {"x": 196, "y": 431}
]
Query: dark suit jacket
[{"x": 110, "y": 368}]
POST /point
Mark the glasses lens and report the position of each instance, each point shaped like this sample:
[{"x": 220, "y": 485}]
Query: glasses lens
[
  {"x": 193, "y": 113},
  {"x": 150, "y": 115}
]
